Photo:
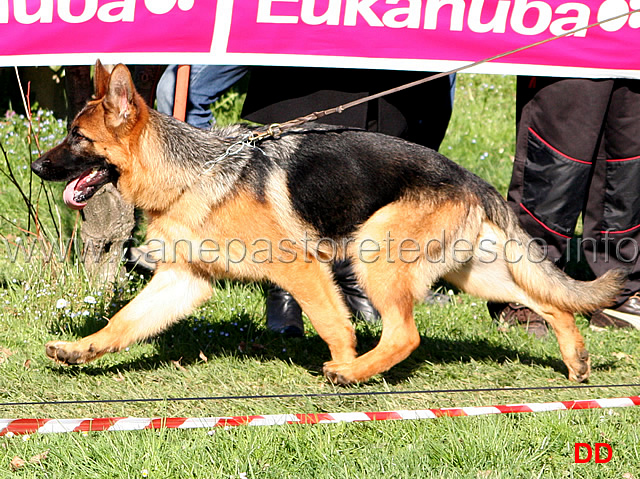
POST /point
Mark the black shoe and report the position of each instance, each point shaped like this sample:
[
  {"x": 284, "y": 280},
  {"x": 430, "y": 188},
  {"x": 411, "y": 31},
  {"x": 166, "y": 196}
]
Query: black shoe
[
  {"x": 284, "y": 314},
  {"x": 354, "y": 296},
  {"x": 627, "y": 315}
]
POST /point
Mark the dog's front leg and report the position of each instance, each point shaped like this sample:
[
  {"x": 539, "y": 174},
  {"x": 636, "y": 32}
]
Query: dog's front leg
[{"x": 170, "y": 295}]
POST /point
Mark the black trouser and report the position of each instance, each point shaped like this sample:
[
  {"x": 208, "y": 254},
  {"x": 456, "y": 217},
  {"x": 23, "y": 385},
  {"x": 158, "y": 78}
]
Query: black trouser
[
  {"x": 578, "y": 151},
  {"x": 420, "y": 114}
]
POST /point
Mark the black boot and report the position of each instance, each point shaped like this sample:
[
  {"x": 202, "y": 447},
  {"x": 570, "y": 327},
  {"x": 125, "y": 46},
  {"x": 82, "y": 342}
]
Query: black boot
[
  {"x": 354, "y": 296},
  {"x": 284, "y": 314}
]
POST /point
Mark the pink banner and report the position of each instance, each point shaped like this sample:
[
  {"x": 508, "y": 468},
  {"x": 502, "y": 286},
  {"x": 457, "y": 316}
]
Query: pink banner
[
  {"x": 459, "y": 30},
  {"x": 42, "y": 27},
  {"x": 425, "y": 35}
]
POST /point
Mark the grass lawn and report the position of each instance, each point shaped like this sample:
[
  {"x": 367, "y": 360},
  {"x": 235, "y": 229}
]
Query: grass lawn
[{"x": 224, "y": 349}]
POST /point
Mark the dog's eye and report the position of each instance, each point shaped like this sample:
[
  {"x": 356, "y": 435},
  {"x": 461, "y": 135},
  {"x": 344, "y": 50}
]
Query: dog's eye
[{"x": 77, "y": 136}]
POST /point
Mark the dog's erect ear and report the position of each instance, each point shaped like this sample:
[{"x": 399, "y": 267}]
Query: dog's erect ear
[
  {"x": 119, "y": 97},
  {"x": 100, "y": 80}
]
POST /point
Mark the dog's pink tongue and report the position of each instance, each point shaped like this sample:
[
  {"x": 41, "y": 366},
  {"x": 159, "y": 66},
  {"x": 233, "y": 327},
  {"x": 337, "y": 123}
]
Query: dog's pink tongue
[{"x": 69, "y": 196}]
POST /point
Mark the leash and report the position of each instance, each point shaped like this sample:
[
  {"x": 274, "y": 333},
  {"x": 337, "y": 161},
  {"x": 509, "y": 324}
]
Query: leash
[{"x": 276, "y": 129}]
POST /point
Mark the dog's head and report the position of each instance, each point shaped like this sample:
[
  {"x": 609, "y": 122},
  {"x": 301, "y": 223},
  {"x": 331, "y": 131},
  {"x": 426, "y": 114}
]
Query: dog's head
[{"x": 95, "y": 150}]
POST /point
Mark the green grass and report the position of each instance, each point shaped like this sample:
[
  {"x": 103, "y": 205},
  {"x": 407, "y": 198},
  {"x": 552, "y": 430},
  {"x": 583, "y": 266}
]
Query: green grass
[
  {"x": 482, "y": 131},
  {"x": 461, "y": 349}
]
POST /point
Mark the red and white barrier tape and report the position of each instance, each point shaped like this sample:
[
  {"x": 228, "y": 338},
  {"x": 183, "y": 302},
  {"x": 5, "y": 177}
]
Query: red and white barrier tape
[{"x": 30, "y": 426}]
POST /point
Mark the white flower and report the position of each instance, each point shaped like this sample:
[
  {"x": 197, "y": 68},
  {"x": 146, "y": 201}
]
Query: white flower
[
  {"x": 90, "y": 300},
  {"x": 62, "y": 303}
]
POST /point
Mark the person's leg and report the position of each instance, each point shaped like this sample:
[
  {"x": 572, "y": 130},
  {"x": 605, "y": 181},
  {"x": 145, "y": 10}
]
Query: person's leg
[
  {"x": 419, "y": 114},
  {"x": 559, "y": 123},
  {"x": 206, "y": 84},
  {"x": 166, "y": 90},
  {"x": 612, "y": 217},
  {"x": 559, "y": 128},
  {"x": 427, "y": 126}
]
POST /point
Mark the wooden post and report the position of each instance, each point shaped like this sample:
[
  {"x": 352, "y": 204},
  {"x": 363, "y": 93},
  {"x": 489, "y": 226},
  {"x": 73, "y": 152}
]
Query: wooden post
[{"x": 107, "y": 220}]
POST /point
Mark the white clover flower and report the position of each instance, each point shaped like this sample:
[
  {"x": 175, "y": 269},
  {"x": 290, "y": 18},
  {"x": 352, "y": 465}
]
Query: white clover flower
[
  {"x": 90, "y": 300},
  {"x": 62, "y": 303}
]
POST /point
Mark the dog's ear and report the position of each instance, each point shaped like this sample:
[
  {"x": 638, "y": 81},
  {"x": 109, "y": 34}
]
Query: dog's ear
[
  {"x": 119, "y": 96},
  {"x": 100, "y": 80}
]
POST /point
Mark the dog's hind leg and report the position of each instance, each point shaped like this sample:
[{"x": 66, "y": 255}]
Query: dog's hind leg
[
  {"x": 493, "y": 281},
  {"x": 395, "y": 270},
  {"x": 393, "y": 283},
  {"x": 170, "y": 295},
  {"x": 574, "y": 353},
  {"x": 398, "y": 340}
]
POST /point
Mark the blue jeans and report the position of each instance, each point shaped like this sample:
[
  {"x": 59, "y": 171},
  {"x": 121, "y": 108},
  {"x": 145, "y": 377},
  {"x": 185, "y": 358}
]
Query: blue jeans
[{"x": 206, "y": 84}]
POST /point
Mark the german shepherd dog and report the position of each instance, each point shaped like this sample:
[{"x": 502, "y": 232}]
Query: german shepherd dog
[{"x": 282, "y": 208}]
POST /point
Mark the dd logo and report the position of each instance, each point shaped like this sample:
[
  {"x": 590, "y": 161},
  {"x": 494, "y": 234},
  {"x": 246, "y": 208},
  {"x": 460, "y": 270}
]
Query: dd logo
[{"x": 587, "y": 455}]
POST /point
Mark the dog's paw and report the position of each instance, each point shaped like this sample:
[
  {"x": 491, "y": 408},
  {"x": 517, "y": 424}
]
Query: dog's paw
[
  {"x": 581, "y": 368},
  {"x": 64, "y": 353},
  {"x": 339, "y": 373}
]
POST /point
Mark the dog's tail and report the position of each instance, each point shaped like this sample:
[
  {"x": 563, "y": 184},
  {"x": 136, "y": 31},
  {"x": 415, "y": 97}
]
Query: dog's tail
[{"x": 539, "y": 276}]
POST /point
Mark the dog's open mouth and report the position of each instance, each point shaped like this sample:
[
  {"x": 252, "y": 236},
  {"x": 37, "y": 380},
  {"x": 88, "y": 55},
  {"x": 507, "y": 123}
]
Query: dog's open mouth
[{"x": 78, "y": 191}]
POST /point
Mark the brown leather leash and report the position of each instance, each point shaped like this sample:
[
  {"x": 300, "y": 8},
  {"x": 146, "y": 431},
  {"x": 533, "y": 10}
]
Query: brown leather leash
[{"x": 275, "y": 129}]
